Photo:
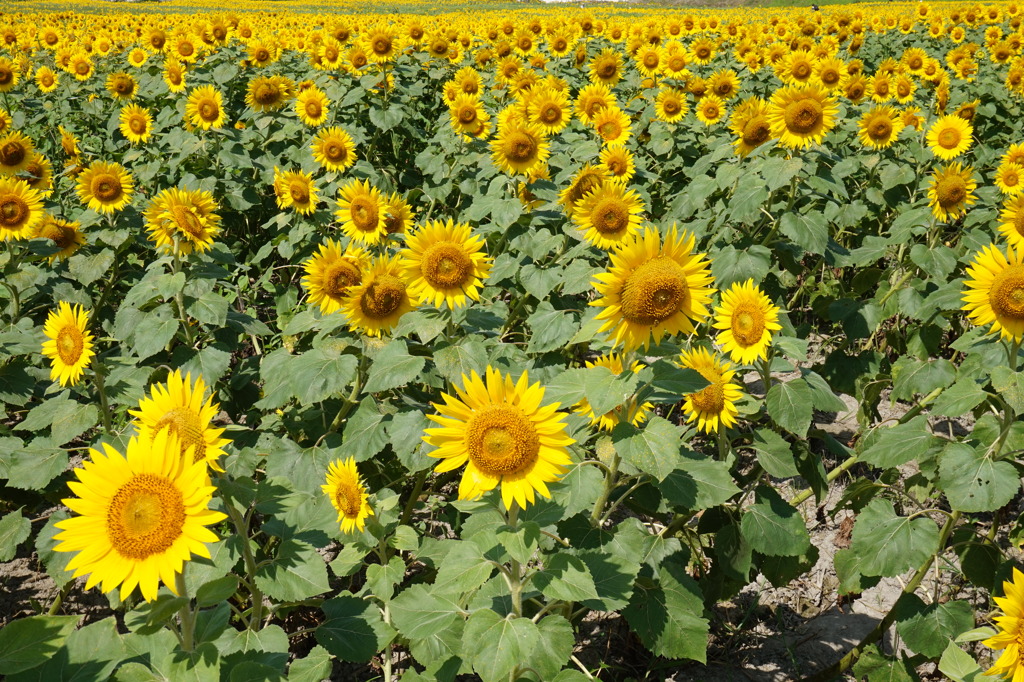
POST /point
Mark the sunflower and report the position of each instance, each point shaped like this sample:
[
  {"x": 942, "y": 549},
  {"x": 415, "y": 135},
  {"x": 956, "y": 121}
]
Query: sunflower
[
  {"x": 670, "y": 105},
  {"x": 140, "y": 516},
  {"x": 995, "y": 291},
  {"x": 311, "y": 105},
  {"x": 16, "y": 150},
  {"x": 710, "y": 110},
  {"x": 518, "y": 148},
  {"x": 587, "y": 178},
  {"x": 177, "y": 406},
  {"x": 295, "y": 189},
  {"x": 397, "y": 214},
  {"x": 879, "y": 127},
  {"x": 39, "y": 175},
  {"x": 105, "y": 187},
  {"x": 800, "y": 116},
  {"x": 549, "y": 111},
  {"x": 382, "y": 46},
  {"x": 182, "y": 221},
  {"x": 608, "y": 214},
  {"x": 333, "y": 149},
  {"x": 81, "y": 67},
  {"x": 377, "y": 303},
  {"x": 1015, "y": 154},
  {"x": 500, "y": 431},
  {"x": 949, "y": 137},
  {"x": 184, "y": 47},
  {"x": 205, "y": 107},
  {"x": 591, "y": 99},
  {"x": 361, "y": 212},
  {"x": 468, "y": 115},
  {"x": 10, "y": 74},
  {"x": 1010, "y": 664},
  {"x": 653, "y": 288},
  {"x": 606, "y": 68},
  {"x": 331, "y": 272},
  {"x": 444, "y": 264},
  {"x": 951, "y": 191},
  {"x": 348, "y": 495},
  {"x": 46, "y": 79},
  {"x": 854, "y": 87},
  {"x": 174, "y": 75},
  {"x": 1012, "y": 220},
  {"x": 62, "y": 234},
  {"x": 121, "y": 86},
  {"x": 612, "y": 125},
  {"x": 268, "y": 93},
  {"x": 21, "y": 209},
  {"x": 724, "y": 83},
  {"x": 617, "y": 160},
  {"x": 713, "y": 405},
  {"x": 137, "y": 57},
  {"x": 749, "y": 123},
  {"x": 648, "y": 61},
  {"x": 68, "y": 344},
  {"x": 1010, "y": 178},
  {"x": 747, "y": 319},
  {"x": 136, "y": 123},
  {"x": 631, "y": 412}
]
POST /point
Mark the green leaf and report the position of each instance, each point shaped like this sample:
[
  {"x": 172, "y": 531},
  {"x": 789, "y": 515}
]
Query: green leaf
[
  {"x": 66, "y": 418},
  {"x": 405, "y": 433},
  {"x": 14, "y": 530},
  {"x": 154, "y": 331},
  {"x": 567, "y": 388},
  {"x": 320, "y": 373},
  {"x": 463, "y": 569},
  {"x": 33, "y": 466},
  {"x": 28, "y": 642},
  {"x": 565, "y": 577},
  {"x": 15, "y": 383},
  {"x": 211, "y": 363},
  {"x": 896, "y": 445},
  {"x": 217, "y": 591},
  {"x": 461, "y": 359},
  {"x": 55, "y": 562},
  {"x": 89, "y": 653},
  {"x": 929, "y": 631},
  {"x": 86, "y": 269},
  {"x": 497, "y": 645},
  {"x": 959, "y": 666},
  {"x": 698, "y": 483},
  {"x": 605, "y": 391},
  {"x": 382, "y": 578},
  {"x": 912, "y": 376},
  {"x": 670, "y": 382},
  {"x": 551, "y": 328},
  {"x": 809, "y": 231},
  {"x": 393, "y": 367},
  {"x": 774, "y": 454},
  {"x": 354, "y": 630},
  {"x": 876, "y": 667},
  {"x": 790, "y": 406},
  {"x": 823, "y": 398},
  {"x": 578, "y": 489},
  {"x": 1010, "y": 387},
  {"x": 554, "y": 646},
  {"x": 313, "y": 667},
  {"x": 773, "y": 526},
  {"x": 888, "y": 545},
  {"x": 958, "y": 399},
  {"x": 419, "y": 613},
  {"x": 520, "y": 542},
  {"x": 653, "y": 448},
  {"x": 732, "y": 265},
  {"x": 973, "y": 482},
  {"x": 938, "y": 261},
  {"x": 668, "y": 614},
  {"x": 297, "y": 572},
  {"x": 365, "y": 434},
  {"x": 211, "y": 308}
]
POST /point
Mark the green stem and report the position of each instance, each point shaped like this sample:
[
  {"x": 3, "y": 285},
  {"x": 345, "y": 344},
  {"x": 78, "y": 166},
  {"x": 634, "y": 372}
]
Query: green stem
[
  {"x": 417, "y": 488},
  {"x": 610, "y": 481},
  {"x": 179, "y": 299},
  {"x": 187, "y": 617},
  {"x": 764, "y": 370},
  {"x": 59, "y": 599},
  {"x": 622, "y": 498},
  {"x": 242, "y": 529},
  {"x": 98, "y": 371},
  {"x": 1012, "y": 351},
  {"x": 515, "y": 575},
  {"x": 350, "y": 401}
]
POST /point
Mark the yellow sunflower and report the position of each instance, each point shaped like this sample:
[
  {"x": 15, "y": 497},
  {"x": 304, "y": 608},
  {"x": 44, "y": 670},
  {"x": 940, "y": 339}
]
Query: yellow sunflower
[
  {"x": 591, "y": 99},
  {"x": 182, "y": 221},
  {"x": 105, "y": 187},
  {"x": 1015, "y": 154},
  {"x": 445, "y": 264},
  {"x": 1010, "y": 179},
  {"x": 46, "y": 79},
  {"x": 632, "y": 412},
  {"x": 951, "y": 191},
  {"x": 467, "y": 114},
  {"x": 295, "y": 189},
  {"x": 398, "y": 215},
  {"x": 949, "y": 137},
  {"x": 174, "y": 75},
  {"x": 518, "y": 148},
  {"x": 612, "y": 125},
  {"x": 205, "y": 108},
  {"x": 747, "y": 319},
  {"x": 16, "y": 150},
  {"x": 713, "y": 405},
  {"x": 587, "y": 178},
  {"x": 331, "y": 273},
  {"x": 121, "y": 86},
  {"x": 500, "y": 431},
  {"x": 749, "y": 123},
  {"x": 670, "y": 105},
  {"x": 617, "y": 160},
  {"x": 136, "y": 123},
  {"x": 312, "y": 106},
  {"x": 710, "y": 110},
  {"x": 334, "y": 150},
  {"x": 879, "y": 127},
  {"x": 606, "y": 68},
  {"x": 549, "y": 111},
  {"x": 800, "y": 116},
  {"x": 140, "y": 516},
  {"x": 178, "y": 406},
  {"x": 1012, "y": 220},
  {"x": 653, "y": 288},
  {"x": 21, "y": 209},
  {"x": 608, "y": 214},
  {"x": 1010, "y": 664},
  {"x": 995, "y": 291},
  {"x": 10, "y": 74},
  {"x": 268, "y": 93},
  {"x": 62, "y": 234},
  {"x": 68, "y": 344},
  {"x": 348, "y": 495},
  {"x": 376, "y": 304},
  {"x": 361, "y": 212}
]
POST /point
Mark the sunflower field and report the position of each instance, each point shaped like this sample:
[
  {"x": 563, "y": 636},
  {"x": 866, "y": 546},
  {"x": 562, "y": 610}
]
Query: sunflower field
[{"x": 508, "y": 341}]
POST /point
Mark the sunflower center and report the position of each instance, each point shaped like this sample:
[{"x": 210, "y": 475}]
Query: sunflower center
[
  {"x": 299, "y": 192},
  {"x": 262, "y": 54},
  {"x": 145, "y": 516},
  {"x": 445, "y": 266},
  {"x": 137, "y": 124},
  {"x": 616, "y": 166},
  {"x": 12, "y": 154},
  {"x": 186, "y": 220},
  {"x": 185, "y": 423},
  {"x": 467, "y": 115},
  {"x": 60, "y": 236},
  {"x": 711, "y": 110},
  {"x": 855, "y": 91},
  {"x": 551, "y": 114},
  {"x": 1018, "y": 222},
  {"x": 70, "y": 344},
  {"x": 208, "y": 111},
  {"x": 501, "y": 440},
  {"x": 607, "y": 70},
  {"x": 829, "y": 77},
  {"x": 914, "y": 62},
  {"x": 710, "y": 399},
  {"x": 347, "y": 499},
  {"x": 950, "y": 191},
  {"x": 46, "y": 80},
  {"x": 880, "y": 128},
  {"x": 609, "y": 130},
  {"x": 266, "y": 94},
  {"x": 609, "y": 216},
  {"x": 903, "y": 89},
  {"x": 949, "y": 138},
  {"x": 803, "y": 116},
  {"x": 13, "y": 211},
  {"x": 654, "y": 292},
  {"x": 802, "y": 71},
  {"x": 381, "y": 45},
  {"x": 383, "y": 297},
  {"x": 882, "y": 88},
  {"x": 82, "y": 68},
  {"x": 1007, "y": 293},
  {"x": 365, "y": 214},
  {"x": 703, "y": 52},
  {"x": 313, "y": 109},
  {"x": 651, "y": 60},
  {"x": 748, "y": 325},
  {"x": 186, "y": 49},
  {"x": 671, "y": 106},
  {"x": 1011, "y": 178},
  {"x": 335, "y": 151},
  {"x": 339, "y": 276},
  {"x": 756, "y": 131},
  {"x": 520, "y": 147}
]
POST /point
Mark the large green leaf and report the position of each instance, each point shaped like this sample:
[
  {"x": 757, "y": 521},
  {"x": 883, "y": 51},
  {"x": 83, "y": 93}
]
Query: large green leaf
[
  {"x": 931, "y": 628},
  {"x": 354, "y": 630},
  {"x": 14, "y": 530},
  {"x": 565, "y": 577},
  {"x": 28, "y": 642},
  {"x": 973, "y": 482},
  {"x": 462, "y": 569},
  {"x": 418, "y": 612},
  {"x": 888, "y": 545},
  {"x": 773, "y": 526},
  {"x": 320, "y": 373},
  {"x": 393, "y": 367},
  {"x": 653, "y": 447},
  {"x": 297, "y": 572},
  {"x": 667, "y": 613},
  {"x": 496, "y": 645},
  {"x": 790, "y": 405},
  {"x": 896, "y": 445}
]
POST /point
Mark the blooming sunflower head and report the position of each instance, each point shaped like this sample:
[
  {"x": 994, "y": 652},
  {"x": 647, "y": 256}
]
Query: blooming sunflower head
[
  {"x": 498, "y": 428},
  {"x": 710, "y": 110},
  {"x": 64, "y": 235},
  {"x": 608, "y": 214},
  {"x": 348, "y": 495},
  {"x": 670, "y": 105},
  {"x": 1010, "y": 663},
  {"x": 618, "y": 162},
  {"x": 311, "y": 105},
  {"x": 1010, "y": 178},
  {"x": 951, "y": 191},
  {"x": 749, "y": 123},
  {"x": 205, "y": 108},
  {"x": 445, "y": 264},
  {"x": 746, "y": 318},
  {"x": 519, "y": 147},
  {"x": 361, "y": 212},
  {"x": 296, "y": 190},
  {"x": 949, "y": 137},
  {"x": 21, "y": 208},
  {"x": 332, "y": 272},
  {"x": 375, "y": 305},
  {"x": 1011, "y": 220},
  {"x": 68, "y": 344},
  {"x": 994, "y": 292},
  {"x": 16, "y": 150},
  {"x": 333, "y": 149},
  {"x": 613, "y": 125},
  {"x": 136, "y": 123},
  {"x": 879, "y": 127},
  {"x": 653, "y": 288},
  {"x": 714, "y": 405},
  {"x": 801, "y": 115},
  {"x": 182, "y": 221}
]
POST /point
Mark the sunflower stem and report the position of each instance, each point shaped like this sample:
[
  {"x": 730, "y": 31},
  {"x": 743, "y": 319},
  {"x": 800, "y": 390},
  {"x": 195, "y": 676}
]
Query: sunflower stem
[
  {"x": 417, "y": 488},
  {"x": 764, "y": 369},
  {"x": 350, "y": 401},
  {"x": 1012, "y": 352},
  {"x": 610, "y": 478},
  {"x": 242, "y": 529},
  {"x": 187, "y": 617},
  {"x": 723, "y": 443},
  {"x": 515, "y": 575},
  {"x": 179, "y": 299},
  {"x": 98, "y": 371}
]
